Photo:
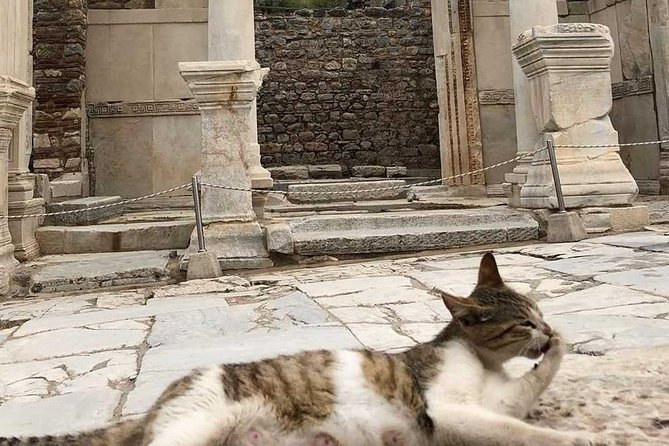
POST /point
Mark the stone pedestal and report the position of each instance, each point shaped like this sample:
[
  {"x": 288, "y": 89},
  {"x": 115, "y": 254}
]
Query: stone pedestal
[
  {"x": 15, "y": 97},
  {"x": 21, "y": 202},
  {"x": 225, "y": 92},
  {"x": 523, "y": 15},
  {"x": 232, "y": 37},
  {"x": 568, "y": 68}
]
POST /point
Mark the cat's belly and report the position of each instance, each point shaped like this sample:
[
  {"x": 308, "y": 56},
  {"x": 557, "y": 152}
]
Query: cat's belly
[{"x": 361, "y": 415}]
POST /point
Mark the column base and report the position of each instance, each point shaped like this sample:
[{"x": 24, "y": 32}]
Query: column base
[
  {"x": 590, "y": 177},
  {"x": 236, "y": 245},
  {"x": 7, "y": 264},
  {"x": 23, "y": 229}
]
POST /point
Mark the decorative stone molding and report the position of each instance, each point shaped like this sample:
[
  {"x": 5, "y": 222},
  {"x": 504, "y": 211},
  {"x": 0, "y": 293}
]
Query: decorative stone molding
[
  {"x": 496, "y": 97},
  {"x": 142, "y": 108},
  {"x": 573, "y": 110},
  {"x": 575, "y": 47},
  {"x": 15, "y": 97},
  {"x": 214, "y": 83},
  {"x": 633, "y": 87}
]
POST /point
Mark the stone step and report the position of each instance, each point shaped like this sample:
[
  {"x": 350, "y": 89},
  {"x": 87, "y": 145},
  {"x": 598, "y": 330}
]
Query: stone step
[
  {"x": 115, "y": 237},
  {"x": 410, "y": 231},
  {"x": 84, "y": 218},
  {"x": 346, "y": 191},
  {"x": 76, "y": 272}
]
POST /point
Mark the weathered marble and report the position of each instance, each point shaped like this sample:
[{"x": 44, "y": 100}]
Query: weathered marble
[
  {"x": 226, "y": 92},
  {"x": 523, "y": 15},
  {"x": 568, "y": 67},
  {"x": 232, "y": 37},
  {"x": 15, "y": 97},
  {"x": 652, "y": 280},
  {"x": 380, "y": 336},
  {"x": 65, "y": 413},
  {"x": 597, "y": 298},
  {"x": 72, "y": 341}
]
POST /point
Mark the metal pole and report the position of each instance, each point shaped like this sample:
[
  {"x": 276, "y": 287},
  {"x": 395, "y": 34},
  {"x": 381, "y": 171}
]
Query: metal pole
[
  {"x": 198, "y": 214},
  {"x": 556, "y": 174}
]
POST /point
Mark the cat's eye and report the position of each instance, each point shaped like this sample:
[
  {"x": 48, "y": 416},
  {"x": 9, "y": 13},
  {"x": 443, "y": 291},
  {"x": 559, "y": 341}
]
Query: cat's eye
[{"x": 528, "y": 324}]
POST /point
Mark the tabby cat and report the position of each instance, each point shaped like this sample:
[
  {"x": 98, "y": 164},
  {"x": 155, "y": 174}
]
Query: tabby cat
[{"x": 449, "y": 391}]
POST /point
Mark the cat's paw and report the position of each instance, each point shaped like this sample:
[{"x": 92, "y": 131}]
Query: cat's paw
[{"x": 556, "y": 347}]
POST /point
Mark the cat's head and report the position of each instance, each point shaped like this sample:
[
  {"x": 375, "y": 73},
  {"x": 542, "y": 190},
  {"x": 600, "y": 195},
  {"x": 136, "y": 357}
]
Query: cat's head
[{"x": 498, "y": 321}]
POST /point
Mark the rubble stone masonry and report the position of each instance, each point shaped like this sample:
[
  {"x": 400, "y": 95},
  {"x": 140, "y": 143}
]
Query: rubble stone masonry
[
  {"x": 350, "y": 87},
  {"x": 59, "y": 78}
]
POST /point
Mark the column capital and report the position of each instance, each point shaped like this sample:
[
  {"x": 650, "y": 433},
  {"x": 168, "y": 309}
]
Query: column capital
[
  {"x": 215, "y": 83},
  {"x": 15, "y": 97},
  {"x": 574, "y": 47}
]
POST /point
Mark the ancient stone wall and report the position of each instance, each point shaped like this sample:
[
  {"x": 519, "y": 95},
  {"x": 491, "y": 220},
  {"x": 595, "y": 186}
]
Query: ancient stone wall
[
  {"x": 348, "y": 86},
  {"x": 59, "y": 78}
]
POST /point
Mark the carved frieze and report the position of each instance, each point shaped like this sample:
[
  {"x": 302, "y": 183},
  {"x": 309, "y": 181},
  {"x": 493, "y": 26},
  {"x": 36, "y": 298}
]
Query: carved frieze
[
  {"x": 142, "y": 108},
  {"x": 496, "y": 97},
  {"x": 632, "y": 87}
]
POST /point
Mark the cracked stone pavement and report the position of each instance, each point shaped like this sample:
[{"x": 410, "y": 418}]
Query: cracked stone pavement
[{"x": 81, "y": 361}]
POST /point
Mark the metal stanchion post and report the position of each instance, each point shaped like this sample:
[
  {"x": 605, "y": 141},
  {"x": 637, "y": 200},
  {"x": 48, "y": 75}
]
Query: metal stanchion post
[
  {"x": 556, "y": 174},
  {"x": 198, "y": 214}
]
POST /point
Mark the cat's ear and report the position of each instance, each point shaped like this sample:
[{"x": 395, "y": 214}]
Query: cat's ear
[
  {"x": 489, "y": 276},
  {"x": 464, "y": 310}
]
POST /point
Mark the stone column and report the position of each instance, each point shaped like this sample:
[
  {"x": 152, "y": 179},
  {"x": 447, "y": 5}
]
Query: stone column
[
  {"x": 21, "y": 182},
  {"x": 459, "y": 121},
  {"x": 225, "y": 92},
  {"x": 232, "y": 37},
  {"x": 568, "y": 68},
  {"x": 658, "y": 21},
  {"x": 524, "y": 15},
  {"x": 15, "y": 97}
]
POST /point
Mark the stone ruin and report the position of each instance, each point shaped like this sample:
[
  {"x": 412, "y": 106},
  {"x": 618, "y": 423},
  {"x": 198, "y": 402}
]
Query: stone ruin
[{"x": 570, "y": 100}]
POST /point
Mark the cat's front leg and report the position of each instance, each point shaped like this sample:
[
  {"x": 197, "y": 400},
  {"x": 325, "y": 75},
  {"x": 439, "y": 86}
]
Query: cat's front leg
[
  {"x": 517, "y": 396},
  {"x": 475, "y": 426}
]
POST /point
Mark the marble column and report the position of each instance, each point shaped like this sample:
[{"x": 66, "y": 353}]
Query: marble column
[
  {"x": 459, "y": 121},
  {"x": 18, "y": 64},
  {"x": 524, "y": 15},
  {"x": 569, "y": 71},
  {"x": 15, "y": 97},
  {"x": 658, "y": 23},
  {"x": 232, "y": 37},
  {"x": 225, "y": 92}
]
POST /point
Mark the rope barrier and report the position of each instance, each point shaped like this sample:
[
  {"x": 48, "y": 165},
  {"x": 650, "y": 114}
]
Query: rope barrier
[
  {"x": 348, "y": 192},
  {"x": 608, "y": 146},
  {"x": 106, "y": 206},
  {"x": 387, "y": 188}
]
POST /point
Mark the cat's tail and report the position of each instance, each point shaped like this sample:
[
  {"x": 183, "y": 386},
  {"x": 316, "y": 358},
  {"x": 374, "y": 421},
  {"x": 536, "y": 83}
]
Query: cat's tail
[{"x": 126, "y": 433}]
